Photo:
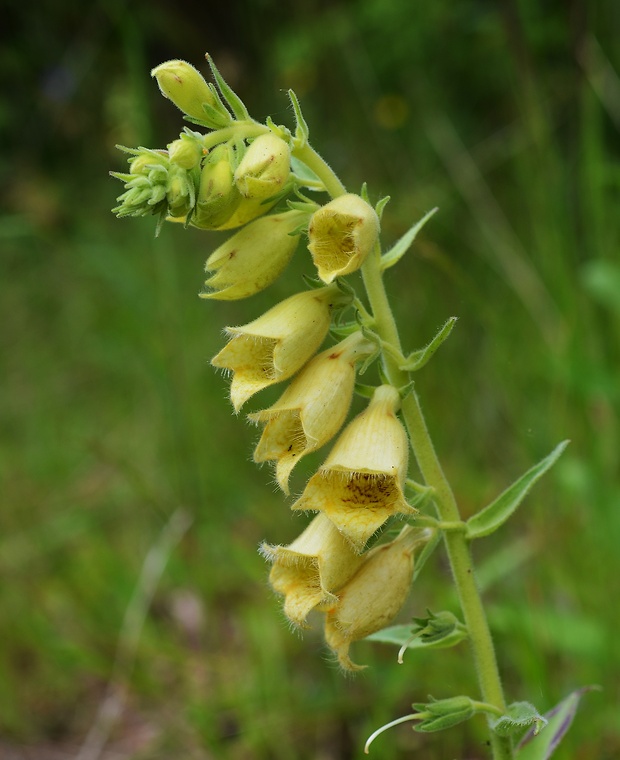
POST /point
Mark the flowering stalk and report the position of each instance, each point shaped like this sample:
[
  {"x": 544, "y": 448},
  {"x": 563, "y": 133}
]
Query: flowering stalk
[{"x": 238, "y": 177}]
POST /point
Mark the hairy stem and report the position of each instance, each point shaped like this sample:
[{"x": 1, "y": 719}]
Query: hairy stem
[{"x": 457, "y": 547}]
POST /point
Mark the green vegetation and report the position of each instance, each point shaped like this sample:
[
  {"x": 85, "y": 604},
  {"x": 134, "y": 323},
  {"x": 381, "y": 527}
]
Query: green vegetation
[{"x": 112, "y": 420}]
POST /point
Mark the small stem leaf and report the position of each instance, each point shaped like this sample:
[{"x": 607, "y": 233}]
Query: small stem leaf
[
  {"x": 365, "y": 391},
  {"x": 400, "y": 247},
  {"x": 495, "y": 514},
  {"x": 230, "y": 96},
  {"x": 541, "y": 745},
  {"x": 418, "y": 359},
  {"x": 302, "y": 130},
  {"x": 518, "y": 716}
]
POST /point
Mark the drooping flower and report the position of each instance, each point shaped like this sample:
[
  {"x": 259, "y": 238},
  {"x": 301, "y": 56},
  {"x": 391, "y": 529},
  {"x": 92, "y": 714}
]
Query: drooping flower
[
  {"x": 360, "y": 485},
  {"x": 342, "y": 233},
  {"x": 254, "y": 257},
  {"x": 311, "y": 569},
  {"x": 277, "y": 344},
  {"x": 312, "y": 409},
  {"x": 371, "y": 599}
]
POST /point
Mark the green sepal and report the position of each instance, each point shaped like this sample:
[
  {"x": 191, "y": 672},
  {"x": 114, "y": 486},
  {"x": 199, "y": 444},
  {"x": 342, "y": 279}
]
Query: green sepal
[
  {"x": 443, "y": 713},
  {"x": 495, "y": 514},
  {"x": 365, "y": 391},
  {"x": 418, "y": 359},
  {"x": 518, "y": 716},
  {"x": 345, "y": 329},
  {"x": 230, "y": 96},
  {"x": 370, "y": 359},
  {"x": 303, "y": 172},
  {"x": 542, "y": 744},
  {"x": 401, "y": 246},
  {"x": 302, "y": 130},
  {"x": 364, "y": 193},
  {"x": 381, "y": 204}
]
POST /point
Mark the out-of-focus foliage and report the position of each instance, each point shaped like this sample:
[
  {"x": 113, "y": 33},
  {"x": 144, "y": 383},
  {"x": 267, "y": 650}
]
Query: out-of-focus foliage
[{"x": 507, "y": 117}]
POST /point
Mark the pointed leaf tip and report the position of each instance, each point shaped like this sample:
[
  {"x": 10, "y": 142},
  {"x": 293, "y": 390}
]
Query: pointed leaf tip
[{"x": 493, "y": 516}]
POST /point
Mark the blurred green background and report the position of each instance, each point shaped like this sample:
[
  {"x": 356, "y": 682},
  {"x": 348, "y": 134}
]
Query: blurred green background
[{"x": 116, "y": 439}]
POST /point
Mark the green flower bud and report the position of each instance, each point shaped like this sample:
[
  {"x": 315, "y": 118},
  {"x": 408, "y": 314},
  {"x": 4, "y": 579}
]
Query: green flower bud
[
  {"x": 360, "y": 485},
  {"x": 312, "y": 409},
  {"x": 180, "y": 192},
  {"x": 254, "y": 257},
  {"x": 309, "y": 570},
  {"x": 246, "y": 211},
  {"x": 342, "y": 234},
  {"x": 264, "y": 168},
  {"x": 277, "y": 344},
  {"x": 373, "y": 596},
  {"x": 185, "y": 87},
  {"x": 185, "y": 152}
]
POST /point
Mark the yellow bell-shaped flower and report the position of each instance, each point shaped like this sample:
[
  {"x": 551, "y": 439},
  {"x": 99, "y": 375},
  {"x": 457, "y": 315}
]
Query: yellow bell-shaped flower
[
  {"x": 254, "y": 257},
  {"x": 371, "y": 599},
  {"x": 341, "y": 235},
  {"x": 312, "y": 409},
  {"x": 277, "y": 344},
  {"x": 360, "y": 485},
  {"x": 310, "y": 569}
]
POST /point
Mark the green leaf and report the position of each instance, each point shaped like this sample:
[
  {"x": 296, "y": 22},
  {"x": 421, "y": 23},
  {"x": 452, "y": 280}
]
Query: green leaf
[
  {"x": 413, "y": 637},
  {"x": 540, "y": 746},
  {"x": 381, "y": 204},
  {"x": 518, "y": 716},
  {"x": 400, "y": 247},
  {"x": 495, "y": 514},
  {"x": 230, "y": 96},
  {"x": 418, "y": 359}
]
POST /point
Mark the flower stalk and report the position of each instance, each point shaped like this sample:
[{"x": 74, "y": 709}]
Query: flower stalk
[{"x": 250, "y": 177}]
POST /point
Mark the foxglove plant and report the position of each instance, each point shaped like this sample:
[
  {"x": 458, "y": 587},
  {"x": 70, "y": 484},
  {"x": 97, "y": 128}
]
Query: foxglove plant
[{"x": 348, "y": 565}]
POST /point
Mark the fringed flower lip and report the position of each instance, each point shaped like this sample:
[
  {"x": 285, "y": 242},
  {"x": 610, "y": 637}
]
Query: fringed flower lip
[
  {"x": 312, "y": 409},
  {"x": 341, "y": 235},
  {"x": 373, "y": 596},
  {"x": 311, "y": 569},
  {"x": 360, "y": 485},
  {"x": 277, "y": 344}
]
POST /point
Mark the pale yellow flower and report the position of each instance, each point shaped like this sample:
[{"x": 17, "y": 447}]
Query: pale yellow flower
[
  {"x": 277, "y": 344},
  {"x": 360, "y": 485},
  {"x": 341, "y": 235},
  {"x": 312, "y": 409},
  {"x": 371, "y": 599},
  {"x": 254, "y": 257},
  {"x": 311, "y": 569}
]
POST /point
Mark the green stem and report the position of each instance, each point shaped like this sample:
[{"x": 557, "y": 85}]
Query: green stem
[
  {"x": 239, "y": 129},
  {"x": 457, "y": 547},
  {"x": 456, "y": 544},
  {"x": 321, "y": 168}
]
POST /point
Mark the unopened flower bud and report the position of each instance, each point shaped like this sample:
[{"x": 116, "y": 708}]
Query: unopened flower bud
[
  {"x": 264, "y": 168},
  {"x": 180, "y": 191},
  {"x": 312, "y": 409},
  {"x": 247, "y": 210},
  {"x": 342, "y": 234},
  {"x": 218, "y": 197},
  {"x": 310, "y": 569},
  {"x": 360, "y": 485},
  {"x": 185, "y": 87},
  {"x": 185, "y": 152},
  {"x": 372, "y": 597},
  {"x": 254, "y": 257},
  {"x": 277, "y": 344}
]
